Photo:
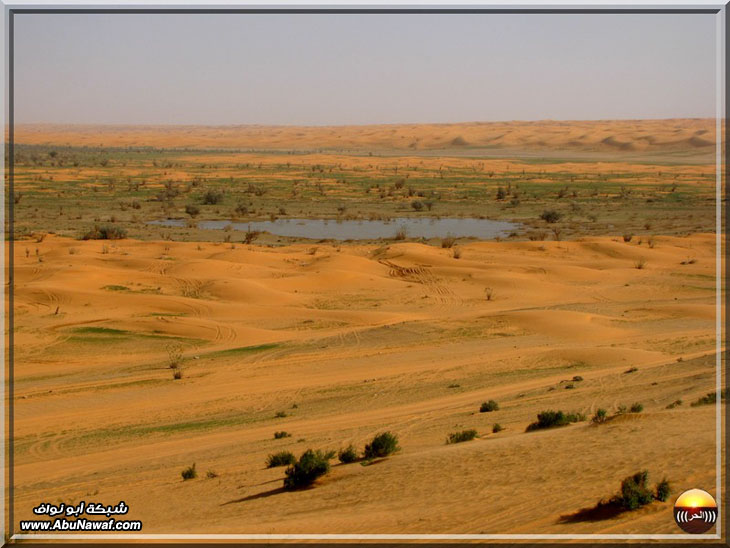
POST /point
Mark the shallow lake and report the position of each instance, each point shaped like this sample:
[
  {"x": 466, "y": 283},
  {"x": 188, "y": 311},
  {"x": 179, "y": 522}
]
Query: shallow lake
[{"x": 321, "y": 229}]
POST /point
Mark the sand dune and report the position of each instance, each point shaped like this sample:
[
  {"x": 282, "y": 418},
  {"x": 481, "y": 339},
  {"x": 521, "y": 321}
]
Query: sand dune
[
  {"x": 603, "y": 135},
  {"x": 349, "y": 341}
]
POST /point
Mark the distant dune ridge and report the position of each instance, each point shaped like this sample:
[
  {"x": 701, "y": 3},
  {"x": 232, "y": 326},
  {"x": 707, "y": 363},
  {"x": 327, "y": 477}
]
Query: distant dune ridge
[{"x": 656, "y": 136}]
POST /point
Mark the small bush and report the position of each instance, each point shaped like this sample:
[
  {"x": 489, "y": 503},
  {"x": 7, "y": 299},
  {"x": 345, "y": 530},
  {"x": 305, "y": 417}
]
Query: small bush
[
  {"x": 282, "y": 458},
  {"x": 489, "y": 293},
  {"x": 674, "y": 404},
  {"x": 663, "y": 490},
  {"x": 569, "y": 386},
  {"x": 575, "y": 417},
  {"x": 303, "y": 473},
  {"x": 458, "y": 437},
  {"x": 710, "y": 398},
  {"x": 632, "y": 370},
  {"x": 210, "y": 474},
  {"x": 192, "y": 210},
  {"x": 551, "y": 216},
  {"x": 282, "y": 434},
  {"x": 634, "y": 491},
  {"x": 280, "y": 414},
  {"x": 497, "y": 428},
  {"x": 347, "y": 455},
  {"x": 382, "y": 445},
  {"x": 640, "y": 264},
  {"x": 177, "y": 374},
  {"x": 212, "y": 197},
  {"x": 417, "y": 205},
  {"x": 600, "y": 416},
  {"x": 456, "y": 253},
  {"x": 489, "y": 406},
  {"x": 105, "y": 232},
  {"x": 189, "y": 473},
  {"x": 637, "y": 408},
  {"x": 548, "y": 419},
  {"x": 577, "y": 378},
  {"x": 627, "y": 237},
  {"x": 448, "y": 242},
  {"x": 401, "y": 234}
]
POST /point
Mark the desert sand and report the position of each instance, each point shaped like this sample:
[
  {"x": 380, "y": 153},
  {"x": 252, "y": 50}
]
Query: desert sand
[{"x": 353, "y": 340}]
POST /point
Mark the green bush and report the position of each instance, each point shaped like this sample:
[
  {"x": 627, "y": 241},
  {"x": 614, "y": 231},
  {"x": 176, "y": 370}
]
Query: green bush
[
  {"x": 551, "y": 216},
  {"x": 674, "y": 404},
  {"x": 303, "y": 473},
  {"x": 212, "y": 197},
  {"x": 348, "y": 454},
  {"x": 634, "y": 491},
  {"x": 282, "y": 458},
  {"x": 464, "y": 435},
  {"x": 637, "y": 408},
  {"x": 382, "y": 445},
  {"x": 548, "y": 419},
  {"x": 663, "y": 490},
  {"x": 488, "y": 406},
  {"x": 710, "y": 398},
  {"x": 189, "y": 473},
  {"x": 105, "y": 232},
  {"x": 575, "y": 417},
  {"x": 497, "y": 428},
  {"x": 600, "y": 417},
  {"x": 282, "y": 434}
]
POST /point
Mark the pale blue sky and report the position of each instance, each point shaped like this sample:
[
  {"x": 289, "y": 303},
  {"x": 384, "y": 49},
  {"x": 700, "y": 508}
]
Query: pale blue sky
[{"x": 358, "y": 69}]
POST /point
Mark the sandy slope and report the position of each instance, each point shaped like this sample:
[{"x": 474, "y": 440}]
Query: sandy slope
[
  {"x": 350, "y": 341},
  {"x": 602, "y": 135}
]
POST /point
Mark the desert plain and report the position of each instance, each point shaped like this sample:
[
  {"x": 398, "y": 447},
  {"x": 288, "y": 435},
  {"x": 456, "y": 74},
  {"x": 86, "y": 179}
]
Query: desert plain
[{"x": 609, "y": 304}]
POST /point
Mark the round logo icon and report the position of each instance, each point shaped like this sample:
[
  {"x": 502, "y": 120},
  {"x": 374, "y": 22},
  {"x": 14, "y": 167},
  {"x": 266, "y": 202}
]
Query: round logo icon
[{"x": 695, "y": 511}]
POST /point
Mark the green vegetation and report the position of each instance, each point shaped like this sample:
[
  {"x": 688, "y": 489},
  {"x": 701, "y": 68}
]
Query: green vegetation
[
  {"x": 710, "y": 398},
  {"x": 282, "y": 458},
  {"x": 553, "y": 419},
  {"x": 489, "y": 406},
  {"x": 281, "y": 434},
  {"x": 459, "y": 437},
  {"x": 189, "y": 473},
  {"x": 304, "y": 472},
  {"x": 382, "y": 445},
  {"x": 497, "y": 428},
  {"x": 347, "y": 455}
]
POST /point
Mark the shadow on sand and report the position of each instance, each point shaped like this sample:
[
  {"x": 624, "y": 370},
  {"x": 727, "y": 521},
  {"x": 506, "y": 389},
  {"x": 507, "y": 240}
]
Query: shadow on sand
[{"x": 599, "y": 512}]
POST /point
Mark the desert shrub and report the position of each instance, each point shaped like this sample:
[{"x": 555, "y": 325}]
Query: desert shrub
[
  {"x": 382, "y": 445},
  {"x": 674, "y": 404},
  {"x": 548, "y": 419},
  {"x": 348, "y": 454},
  {"x": 489, "y": 406},
  {"x": 464, "y": 435},
  {"x": 280, "y": 414},
  {"x": 400, "y": 234},
  {"x": 192, "y": 210},
  {"x": 177, "y": 374},
  {"x": 634, "y": 491},
  {"x": 189, "y": 473},
  {"x": 600, "y": 416},
  {"x": 497, "y": 428},
  {"x": 575, "y": 417},
  {"x": 551, "y": 216},
  {"x": 569, "y": 386},
  {"x": 456, "y": 252},
  {"x": 663, "y": 490},
  {"x": 710, "y": 398},
  {"x": 282, "y": 434},
  {"x": 627, "y": 237},
  {"x": 501, "y": 193},
  {"x": 212, "y": 197},
  {"x": 448, "y": 242},
  {"x": 622, "y": 409},
  {"x": 250, "y": 236},
  {"x": 637, "y": 408},
  {"x": 303, "y": 473},
  {"x": 210, "y": 474},
  {"x": 105, "y": 232},
  {"x": 282, "y": 458},
  {"x": 417, "y": 205},
  {"x": 640, "y": 264},
  {"x": 577, "y": 378},
  {"x": 489, "y": 293},
  {"x": 631, "y": 370}
]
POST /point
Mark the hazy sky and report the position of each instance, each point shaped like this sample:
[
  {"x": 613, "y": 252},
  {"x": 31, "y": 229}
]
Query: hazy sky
[{"x": 359, "y": 69}]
